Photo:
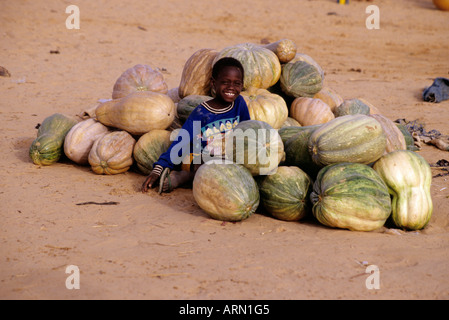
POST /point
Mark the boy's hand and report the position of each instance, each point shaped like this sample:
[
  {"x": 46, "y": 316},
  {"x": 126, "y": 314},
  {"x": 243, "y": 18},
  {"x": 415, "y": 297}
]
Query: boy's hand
[{"x": 150, "y": 181}]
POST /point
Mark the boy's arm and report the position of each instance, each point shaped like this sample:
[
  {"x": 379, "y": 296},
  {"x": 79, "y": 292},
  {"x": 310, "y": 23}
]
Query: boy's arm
[
  {"x": 181, "y": 144},
  {"x": 165, "y": 160}
]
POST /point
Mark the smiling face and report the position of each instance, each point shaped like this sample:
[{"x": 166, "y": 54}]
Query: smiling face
[{"x": 228, "y": 85}]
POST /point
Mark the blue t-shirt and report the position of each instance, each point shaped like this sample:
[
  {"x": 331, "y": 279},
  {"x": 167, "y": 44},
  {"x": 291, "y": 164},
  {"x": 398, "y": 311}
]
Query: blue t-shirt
[{"x": 203, "y": 133}]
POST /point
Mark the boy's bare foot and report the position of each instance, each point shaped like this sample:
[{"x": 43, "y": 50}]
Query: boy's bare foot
[{"x": 177, "y": 179}]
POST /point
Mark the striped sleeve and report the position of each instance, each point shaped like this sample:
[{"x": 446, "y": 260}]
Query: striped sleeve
[{"x": 157, "y": 169}]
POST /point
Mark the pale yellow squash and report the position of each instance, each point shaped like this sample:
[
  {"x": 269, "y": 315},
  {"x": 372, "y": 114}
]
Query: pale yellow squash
[
  {"x": 408, "y": 178},
  {"x": 310, "y": 111},
  {"x": 330, "y": 97},
  {"x": 197, "y": 73},
  {"x": 81, "y": 137},
  {"x": 112, "y": 153},
  {"x": 138, "y": 112},
  {"x": 141, "y": 77},
  {"x": 285, "y": 49},
  {"x": 266, "y": 106},
  {"x": 395, "y": 138}
]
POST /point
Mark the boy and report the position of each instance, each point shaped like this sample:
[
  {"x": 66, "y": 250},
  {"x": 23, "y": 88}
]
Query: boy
[{"x": 203, "y": 132}]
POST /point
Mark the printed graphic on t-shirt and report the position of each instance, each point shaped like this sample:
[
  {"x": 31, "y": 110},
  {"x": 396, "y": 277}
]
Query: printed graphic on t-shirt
[{"x": 215, "y": 133}]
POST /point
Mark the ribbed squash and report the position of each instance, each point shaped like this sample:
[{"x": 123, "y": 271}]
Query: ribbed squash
[
  {"x": 409, "y": 140},
  {"x": 351, "y": 138},
  {"x": 186, "y": 105},
  {"x": 355, "y": 106},
  {"x": 138, "y": 112},
  {"x": 196, "y": 74},
  {"x": 225, "y": 191},
  {"x": 372, "y": 109},
  {"x": 286, "y": 193},
  {"x": 310, "y": 111},
  {"x": 330, "y": 97},
  {"x": 285, "y": 49},
  {"x": 255, "y": 145},
  {"x": 112, "y": 153},
  {"x": 290, "y": 122},
  {"x": 262, "y": 66},
  {"x": 350, "y": 196},
  {"x": 266, "y": 106},
  {"x": 395, "y": 138},
  {"x": 408, "y": 178},
  {"x": 47, "y": 148},
  {"x": 300, "y": 78},
  {"x": 287, "y": 132},
  {"x": 352, "y": 106},
  {"x": 306, "y": 58},
  {"x": 297, "y": 150},
  {"x": 141, "y": 77},
  {"x": 149, "y": 147},
  {"x": 81, "y": 137}
]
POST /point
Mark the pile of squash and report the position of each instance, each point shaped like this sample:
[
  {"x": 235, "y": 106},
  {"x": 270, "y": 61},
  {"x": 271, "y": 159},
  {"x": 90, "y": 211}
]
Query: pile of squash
[{"x": 339, "y": 159}]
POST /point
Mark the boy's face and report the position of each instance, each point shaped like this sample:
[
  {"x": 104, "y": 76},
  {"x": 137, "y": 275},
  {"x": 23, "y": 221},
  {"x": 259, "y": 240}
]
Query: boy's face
[{"x": 229, "y": 84}]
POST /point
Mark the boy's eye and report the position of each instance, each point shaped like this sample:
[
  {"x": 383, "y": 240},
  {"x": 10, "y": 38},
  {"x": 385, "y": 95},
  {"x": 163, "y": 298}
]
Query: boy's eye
[{"x": 236, "y": 83}]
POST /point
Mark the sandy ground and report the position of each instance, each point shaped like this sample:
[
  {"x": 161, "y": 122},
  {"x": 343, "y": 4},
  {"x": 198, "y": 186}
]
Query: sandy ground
[{"x": 164, "y": 247}]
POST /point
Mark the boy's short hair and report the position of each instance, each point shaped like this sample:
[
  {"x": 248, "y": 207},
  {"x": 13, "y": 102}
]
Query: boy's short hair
[{"x": 226, "y": 62}]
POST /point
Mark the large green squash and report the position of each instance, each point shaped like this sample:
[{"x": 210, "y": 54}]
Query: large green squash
[
  {"x": 297, "y": 150},
  {"x": 149, "y": 147},
  {"x": 287, "y": 132},
  {"x": 408, "y": 178},
  {"x": 262, "y": 67},
  {"x": 351, "y": 138},
  {"x": 290, "y": 122},
  {"x": 187, "y": 104},
  {"x": 409, "y": 140},
  {"x": 255, "y": 145},
  {"x": 352, "y": 106},
  {"x": 301, "y": 79},
  {"x": 47, "y": 148},
  {"x": 286, "y": 193},
  {"x": 350, "y": 196},
  {"x": 226, "y": 191}
]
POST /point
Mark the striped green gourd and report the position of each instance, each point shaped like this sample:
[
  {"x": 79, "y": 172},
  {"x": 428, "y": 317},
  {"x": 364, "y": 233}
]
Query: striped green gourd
[
  {"x": 225, "y": 191},
  {"x": 287, "y": 132},
  {"x": 300, "y": 79},
  {"x": 297, "y": 150},
  {"x": 352, "y": 106},
  {"x": 149, "y": 147},
  {"x": 187, "y": 104},
  {"x": 47, "y": 148},
  {"x": 408, "y": 178},
  {"x": 286, "y": 193},
  {"x": 351, "y": 138},
  {"x": 255, "y": 145},
  {"x": 350, "y": 196}
]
